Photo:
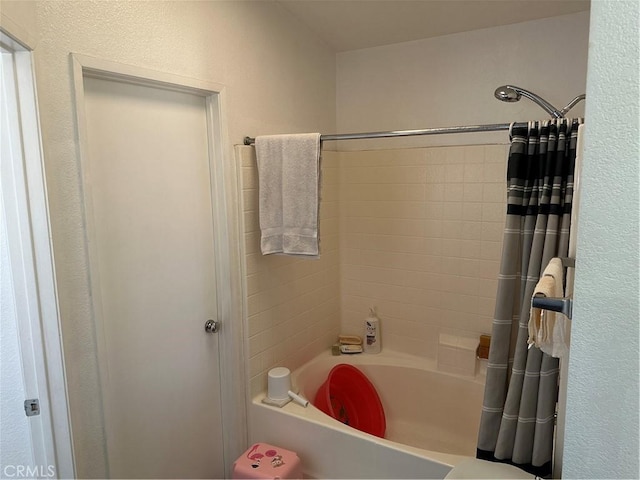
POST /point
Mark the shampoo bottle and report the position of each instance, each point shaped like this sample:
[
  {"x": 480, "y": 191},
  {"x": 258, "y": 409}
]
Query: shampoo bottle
[{"x": 372, "y": 343}]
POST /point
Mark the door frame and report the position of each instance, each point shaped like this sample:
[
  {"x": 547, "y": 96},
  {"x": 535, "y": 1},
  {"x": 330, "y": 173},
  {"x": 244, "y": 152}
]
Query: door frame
[
  {"x": 227, "y": 238},
  {"x": 24, "y": 193}
]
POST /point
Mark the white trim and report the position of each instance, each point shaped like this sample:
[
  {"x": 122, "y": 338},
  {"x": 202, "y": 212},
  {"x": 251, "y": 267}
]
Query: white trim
[
  {"x": 227, "y": 243},
  {"x": 558, "y": 451},
  {"x": 19, "y": 38},
  {"x": 99, "y": 68},
  {"x": 240, "y": 207},
  {"x": 93, "y": 271},
  {"x": 25, "y": 198}
]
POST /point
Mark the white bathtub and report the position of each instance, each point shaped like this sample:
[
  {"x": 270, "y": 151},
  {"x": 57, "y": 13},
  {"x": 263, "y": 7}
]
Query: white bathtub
[{"x": 432, "y": 421}]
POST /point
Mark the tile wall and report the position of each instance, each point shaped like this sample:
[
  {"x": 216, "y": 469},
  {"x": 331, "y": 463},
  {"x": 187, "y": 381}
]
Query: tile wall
[
  {"x": 421, "y": 239},
  {"x": 293, "y": 305},
  {"x": 417, "y": 233}
]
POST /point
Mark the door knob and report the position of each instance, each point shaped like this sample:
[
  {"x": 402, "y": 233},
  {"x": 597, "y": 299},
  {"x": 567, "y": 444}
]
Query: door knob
[{"x": 212, "y": 326}]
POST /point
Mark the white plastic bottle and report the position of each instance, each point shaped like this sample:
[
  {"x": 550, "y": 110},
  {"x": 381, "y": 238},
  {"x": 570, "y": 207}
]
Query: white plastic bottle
[{"x": 372, "y": 341}]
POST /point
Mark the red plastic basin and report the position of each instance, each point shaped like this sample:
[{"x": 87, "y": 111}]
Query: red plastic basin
[{"x": 349, "y": 397}]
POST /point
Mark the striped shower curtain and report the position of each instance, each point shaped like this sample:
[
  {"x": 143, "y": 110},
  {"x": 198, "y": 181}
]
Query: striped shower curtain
[{"x": 518, "y": 412}]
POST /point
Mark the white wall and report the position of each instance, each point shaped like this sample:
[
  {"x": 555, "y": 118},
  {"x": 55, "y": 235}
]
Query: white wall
[
  {"x": 282, "y": 80},
  {"x": 450, "y": 80},
  {"x": 279, "y": 78},
  {"x": 601, "y": 439}
]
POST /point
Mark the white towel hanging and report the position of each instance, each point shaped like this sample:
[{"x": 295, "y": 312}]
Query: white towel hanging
[{"x": 289, "y": 185}]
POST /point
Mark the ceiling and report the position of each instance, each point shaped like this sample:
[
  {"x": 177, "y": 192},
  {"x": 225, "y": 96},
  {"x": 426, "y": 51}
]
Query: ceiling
[{"x": 354, "y": 24}]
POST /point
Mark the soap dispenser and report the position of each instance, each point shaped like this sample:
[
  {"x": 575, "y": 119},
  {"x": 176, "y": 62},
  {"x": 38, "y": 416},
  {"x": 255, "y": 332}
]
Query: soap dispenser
[{"x": 372, "y": 341}]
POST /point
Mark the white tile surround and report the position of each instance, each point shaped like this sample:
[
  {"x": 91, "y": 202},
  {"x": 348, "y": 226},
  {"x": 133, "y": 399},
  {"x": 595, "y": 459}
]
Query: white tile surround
[
  {"x": 293, "y": 305},
  {"x": 416, "y": 232},
  {"x": 421, "y": 239}
]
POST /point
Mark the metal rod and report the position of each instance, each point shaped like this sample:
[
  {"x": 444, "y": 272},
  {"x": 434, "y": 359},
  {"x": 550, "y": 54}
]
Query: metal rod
[
  {"x": 562, "y": 305},
  {"x": 494, "y": 127}
]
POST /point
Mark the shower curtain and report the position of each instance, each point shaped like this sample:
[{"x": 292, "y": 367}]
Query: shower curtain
[{"x": 518, "y": 412}]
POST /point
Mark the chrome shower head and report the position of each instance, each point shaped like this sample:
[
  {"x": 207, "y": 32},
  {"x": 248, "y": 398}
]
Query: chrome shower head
[
  {"x": 506, "y": 93},
  {"x": 511, "y": 93}
]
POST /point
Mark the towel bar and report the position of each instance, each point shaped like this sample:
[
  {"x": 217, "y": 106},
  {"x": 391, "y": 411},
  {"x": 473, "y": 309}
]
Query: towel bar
[
  {"x": 562, "y": 305},
  {"x": 568, "y": 262}
]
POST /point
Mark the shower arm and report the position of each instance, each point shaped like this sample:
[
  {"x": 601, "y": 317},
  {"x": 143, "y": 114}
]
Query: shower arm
[
  {"x": 572, "y": 103},
  {"x": 550, "y": 109},
  {"x": 546, "y": 106}
]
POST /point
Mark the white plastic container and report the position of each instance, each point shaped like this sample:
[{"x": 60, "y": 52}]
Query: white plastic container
[
  {"x": 372, "y": 341},
  {"x": 279, "y": 384}
]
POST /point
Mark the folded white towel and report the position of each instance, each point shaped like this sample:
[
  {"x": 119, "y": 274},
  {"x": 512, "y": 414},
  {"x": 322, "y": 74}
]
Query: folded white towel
[
  {"x": 548, "y": 330},
  {"x": 289, "y": 185}
]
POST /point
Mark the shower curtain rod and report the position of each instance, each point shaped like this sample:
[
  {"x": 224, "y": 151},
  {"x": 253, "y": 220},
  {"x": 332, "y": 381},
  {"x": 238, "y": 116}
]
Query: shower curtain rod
[{"x": 408, "y": 133}]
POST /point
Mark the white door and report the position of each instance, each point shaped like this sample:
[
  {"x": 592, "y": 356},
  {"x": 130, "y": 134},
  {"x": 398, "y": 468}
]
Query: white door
[
  {"x": 152, "y": 244},
  {"x": 35, "y": 439}
]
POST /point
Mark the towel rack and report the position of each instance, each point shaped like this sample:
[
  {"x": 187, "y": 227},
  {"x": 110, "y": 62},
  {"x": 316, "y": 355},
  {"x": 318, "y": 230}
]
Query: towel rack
[
  {"x": 562, "y": 305},
  {"x": 568, "y": 262}
]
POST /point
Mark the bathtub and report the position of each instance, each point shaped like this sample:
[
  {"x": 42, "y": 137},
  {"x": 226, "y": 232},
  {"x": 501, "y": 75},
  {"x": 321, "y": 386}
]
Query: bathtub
[{"x": 432, "y": 420}]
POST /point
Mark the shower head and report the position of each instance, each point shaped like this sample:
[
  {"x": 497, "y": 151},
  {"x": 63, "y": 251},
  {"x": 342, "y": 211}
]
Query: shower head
[
  {"x": 511, "y": 93},
  {"x": 507, "y": 93}
]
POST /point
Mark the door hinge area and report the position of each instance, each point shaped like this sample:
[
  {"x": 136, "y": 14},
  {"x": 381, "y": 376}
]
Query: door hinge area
[{"x": 32, "y": 407}]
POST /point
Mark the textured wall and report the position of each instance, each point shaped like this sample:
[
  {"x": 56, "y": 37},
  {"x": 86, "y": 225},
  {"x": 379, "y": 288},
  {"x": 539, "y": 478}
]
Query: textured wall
[
  {"x": 279, "y": 78},
  {"x": 601, "y": 439},
  {"x": 450, "y": 80},
  {"x": 19, "y": 19}
]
